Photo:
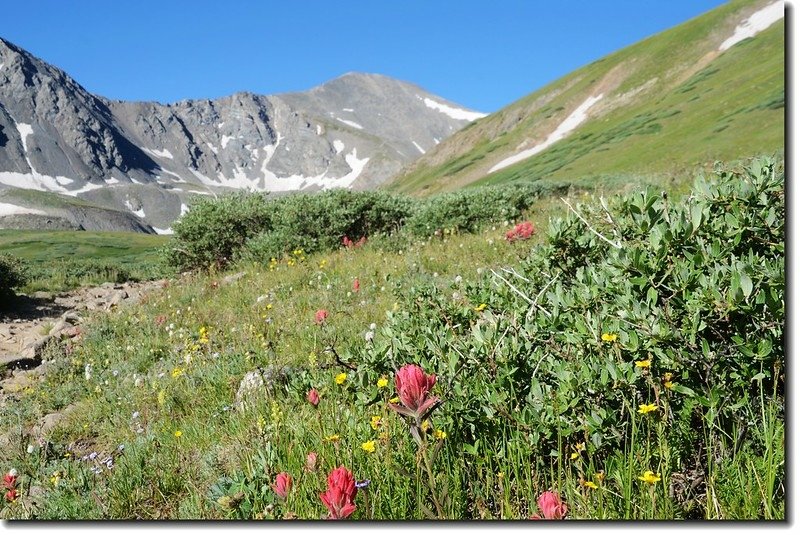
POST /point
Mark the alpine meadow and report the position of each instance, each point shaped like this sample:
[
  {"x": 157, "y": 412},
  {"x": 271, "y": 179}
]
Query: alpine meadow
[{"x": 366, "y": 302}]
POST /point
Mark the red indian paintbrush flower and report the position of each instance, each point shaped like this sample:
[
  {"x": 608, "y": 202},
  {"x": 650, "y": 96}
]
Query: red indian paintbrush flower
[
  {"x": 413, "y": 388},
  {"x": 341, "y": 492},
  {"x": 356, "y": 286},
  {"x": 321, "y": 316},
  {"x": 10, "y": 480},
  {"x": 551, "y": 506},
  {"x": 313, "y": 397},
  {"x": 283, "y": 484},
  {"x": 522, "y": 231},
  {"x": 12, "y": 495}
]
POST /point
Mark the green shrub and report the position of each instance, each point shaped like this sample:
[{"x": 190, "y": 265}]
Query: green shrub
[
  {"x": 13, "y": 273},
  {"x": 319, "y": 222},
  {"x": 215, "y": 229},
  {"x": 691, "y": 291},
  {"x": 470, "y": 209}
]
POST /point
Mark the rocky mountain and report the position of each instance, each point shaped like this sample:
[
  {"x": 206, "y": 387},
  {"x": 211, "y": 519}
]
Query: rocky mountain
[
  {"x": 709, "y": 89},
  {"x": 149, "y": 159}
]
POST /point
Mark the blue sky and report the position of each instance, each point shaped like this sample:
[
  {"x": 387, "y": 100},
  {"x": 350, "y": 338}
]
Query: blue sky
[{"x": 481, "y": 54}]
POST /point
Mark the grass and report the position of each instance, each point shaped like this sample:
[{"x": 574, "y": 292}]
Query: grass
[
  {"x": 160, "y": 380},
  {"x": 61, "y": 260},
  {"x": 731, "y": 107}
]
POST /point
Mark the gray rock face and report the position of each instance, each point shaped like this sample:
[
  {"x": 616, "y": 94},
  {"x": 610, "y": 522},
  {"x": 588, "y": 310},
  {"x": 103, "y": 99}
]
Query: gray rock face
[{"x": 151, "y": 159}]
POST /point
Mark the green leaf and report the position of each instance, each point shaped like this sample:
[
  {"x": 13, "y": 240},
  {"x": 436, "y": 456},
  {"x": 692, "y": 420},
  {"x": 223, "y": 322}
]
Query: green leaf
[
  {"x": 746, "y": 285},
  {"x": 686, "y": 391}
]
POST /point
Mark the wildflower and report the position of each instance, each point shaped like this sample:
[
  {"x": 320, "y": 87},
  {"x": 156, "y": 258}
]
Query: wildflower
[
  {"x": 394, "y": 400},
  {"x": 669, "y": 385},
  {"x": 12, "y": 495},
  {"x": 10, "y": 479},
  {"x": 332, "y": 438},
  {"x": 646, "y": 408},
  {"x": 341, "y": 378},
  {"x": 650, "y": 477},
  {"x": 363, "y": 484},
  {"x": 283, "y": 485},
  {"x": 551, "y": 506},
  {"x": 375, "y": 422},
  {"x": 313, "y": 397},
  {"x": 178, "y": 433},
  {"x": 574, "y": 455},
  {"x": 55, "y": 479},
  {"x": 600, "y": 476},
  {"x": 643, "y": 363},
  {"x": 311, "y": 461},
  {"x": 608, "y": 337},
  {"x": 341, "y": 492},
  {"x": 590, "y": 484},
  {"x": 480, "y": 308},
  {"x": 438, "y": 434},
  {"x": 321, "y": 316},
  {"x": 356, "y": 286},
  {"x": 368, "y": 446},
  {"x": 426, "y": 424},
  {"x": 522, "y": 231},
  {"x": 413, "y": 386},
  {"x": 369, "y": 335},
  {"x": 383, "y": 382},
  {"x": 177, "y": 372}
]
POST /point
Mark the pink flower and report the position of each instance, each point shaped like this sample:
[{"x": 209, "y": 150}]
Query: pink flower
[
  {"x": 12, "y": 495},
  {"x": 347, "y": 242},
  {"x": 551, "y": 506},
  {"x": 313, "y": 397},
  {"x": 321, "y": 316},
  {"x": 413, "y": 386},
  {"x": 522, "y": 231},
  {"x": 356, "y": 286},
  {"x": 283, "y": 484},
  {"x": 341, "y": 492},
  {"x": 10, "y": 480},
  {"x": 311, "y": 462}
]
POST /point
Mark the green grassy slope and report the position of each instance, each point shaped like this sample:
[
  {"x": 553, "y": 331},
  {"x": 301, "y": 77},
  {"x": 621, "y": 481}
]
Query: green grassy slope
[
  {"x": 60, "y": 260},
  {"x": 671, "y": 102}
]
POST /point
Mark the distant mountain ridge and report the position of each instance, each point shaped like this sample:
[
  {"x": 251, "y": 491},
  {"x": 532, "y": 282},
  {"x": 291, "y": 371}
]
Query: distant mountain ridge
[
  {"x": 148, "y": 159},
  {"x": 710, "y": 88}
]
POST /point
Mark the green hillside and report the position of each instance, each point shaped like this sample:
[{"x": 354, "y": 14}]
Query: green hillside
[{"x": 670, "y": 103}]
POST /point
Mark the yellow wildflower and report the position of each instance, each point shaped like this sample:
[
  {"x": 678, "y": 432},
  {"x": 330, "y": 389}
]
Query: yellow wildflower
[
  {"x": 589, "y": 484},
  {"x": 322, "y": 264},
  {"x": 668, "y": 385},
  {"x": 480, "y": 308},
  {"x": 178, "y": 434},
  {"x": 368, "y": 446},
  {"x": 341, "y": 378},
  {"x": 312, "y": 359},
  {"x": 394, "y": 400},
  {"x": 55, "y": 478},
  {"x": 162, "y": 397},
  {"x": 176, "y": 372},
  {"x": 647, "y": 407},
  {"x": 600, "y": 476},
  {"x": 438, "y": 434},
  {"x": 382, "y": 382},
  {"x": 650, "y": 477},
  {"x": 332, "y": 438},
  {"x": 426, "y": 425},
  {"x": 643, "y": 363},
  {"x": 375, "y": 422},
  {"x": 609, "y": 337},
  {"x": 668, "y": 376},
  {"x": 574, "y": 455}
]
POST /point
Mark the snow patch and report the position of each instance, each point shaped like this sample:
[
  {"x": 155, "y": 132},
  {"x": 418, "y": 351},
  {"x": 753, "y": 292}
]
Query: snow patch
[
  {"x": 129, "y": 206},
  {"x": 184, "y": 209},
  {"x": 178, "y": 178},
  {"x": 112, "y": 180},
  {"x": 25, "y": 130},
  {"x": 40, "y": 182},
  {"x": 350, "y": 123},
  {"x": 436, "y": 140},
  {"x": 1, "y": 65},
  {"x": 163, "y": 230},
  {"x": 338, "y": 145},
  {"x": 348, "y": 109},
  {"x": 220, "y": 125},
  {"x": 214, "y": 149},
  {"x": 319, "y": 130},
  {"x": 757, "y": 22},
  {"x": 225, "y": 140},
  {"x": 418, "y": 147},
  {"x": 569, "y": 124},
  {"x": 13, "y": 209},
  {"x": 158, "y": 153},
  {"x": 456, "y": 113}
]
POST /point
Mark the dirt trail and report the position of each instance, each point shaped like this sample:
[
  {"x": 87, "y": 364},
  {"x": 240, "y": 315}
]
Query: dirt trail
[{"x": 29, "y": 322}]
